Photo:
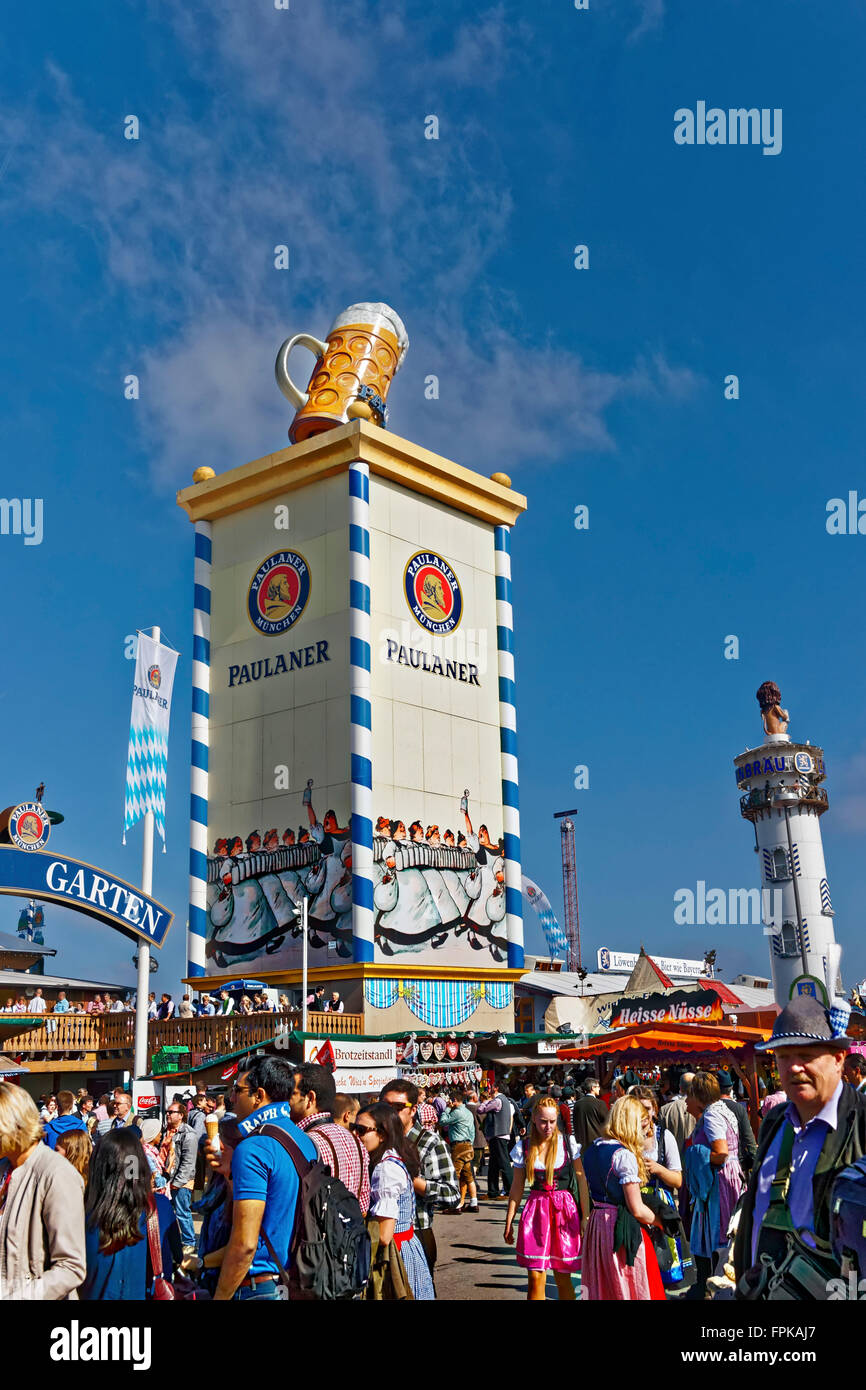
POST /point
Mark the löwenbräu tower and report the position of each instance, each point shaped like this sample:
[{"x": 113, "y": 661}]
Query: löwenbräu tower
[{"x": 782, "y": 796}]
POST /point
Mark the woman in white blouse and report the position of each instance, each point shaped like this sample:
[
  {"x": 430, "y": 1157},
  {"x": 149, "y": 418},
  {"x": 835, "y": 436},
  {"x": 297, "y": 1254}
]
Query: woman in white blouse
[{"x": 394, "y": 1164}]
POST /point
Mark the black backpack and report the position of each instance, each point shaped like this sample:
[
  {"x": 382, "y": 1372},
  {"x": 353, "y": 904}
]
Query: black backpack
[{"x": 330, "y": 1246}]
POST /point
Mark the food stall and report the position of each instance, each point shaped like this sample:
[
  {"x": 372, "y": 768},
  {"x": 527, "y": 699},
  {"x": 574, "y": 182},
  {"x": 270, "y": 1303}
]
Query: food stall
[{"x": 713, "y": 1046}]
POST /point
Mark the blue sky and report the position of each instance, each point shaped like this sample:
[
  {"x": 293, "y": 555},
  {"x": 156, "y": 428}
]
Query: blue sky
[{"x": 603, "y": 387}]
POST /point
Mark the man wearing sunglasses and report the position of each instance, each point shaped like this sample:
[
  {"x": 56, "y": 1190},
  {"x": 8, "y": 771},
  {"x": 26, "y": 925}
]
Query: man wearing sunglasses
[
  {"x": 437, "y": 1182},
  {"x": 264, "y": 1180}
]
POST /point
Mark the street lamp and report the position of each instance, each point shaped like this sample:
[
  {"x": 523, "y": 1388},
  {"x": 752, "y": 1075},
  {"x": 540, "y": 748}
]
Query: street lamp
[{"x": 301, "y": 914}]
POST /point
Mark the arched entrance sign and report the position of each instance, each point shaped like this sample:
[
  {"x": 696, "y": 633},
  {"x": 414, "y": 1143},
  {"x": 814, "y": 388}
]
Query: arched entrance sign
[{"x": 56, "y": 878}]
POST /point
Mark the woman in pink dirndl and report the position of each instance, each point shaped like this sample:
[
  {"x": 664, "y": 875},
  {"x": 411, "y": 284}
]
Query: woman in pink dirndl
[{"x": 548, "y": 1237}]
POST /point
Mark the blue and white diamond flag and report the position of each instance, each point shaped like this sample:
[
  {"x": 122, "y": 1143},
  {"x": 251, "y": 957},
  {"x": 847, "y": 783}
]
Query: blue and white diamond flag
[
  {"x": 557, "y": 942},
  {"x": 147, "y": 762}
]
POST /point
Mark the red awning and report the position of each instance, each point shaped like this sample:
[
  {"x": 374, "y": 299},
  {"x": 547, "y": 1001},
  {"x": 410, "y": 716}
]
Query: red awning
[{"x": 669, "y": 1039}]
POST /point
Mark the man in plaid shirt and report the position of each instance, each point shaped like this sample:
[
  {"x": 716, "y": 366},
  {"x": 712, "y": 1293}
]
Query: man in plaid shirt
[
  {"x": 437, "y": 1183},
  {"x": 312, "y": 1106}
]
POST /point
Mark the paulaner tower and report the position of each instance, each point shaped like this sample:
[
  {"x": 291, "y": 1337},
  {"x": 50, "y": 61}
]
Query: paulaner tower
[
  {"x": 354, "y": 740},
  {"x": 783, "y": 798}
]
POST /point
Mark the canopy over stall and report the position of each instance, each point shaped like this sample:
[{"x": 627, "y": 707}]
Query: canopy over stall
[{"x": 731, "y": 1048}]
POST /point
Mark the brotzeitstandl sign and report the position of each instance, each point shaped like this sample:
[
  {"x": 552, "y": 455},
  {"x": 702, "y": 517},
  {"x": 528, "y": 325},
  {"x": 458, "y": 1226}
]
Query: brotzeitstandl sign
[{"x": 354, "y": 1054}]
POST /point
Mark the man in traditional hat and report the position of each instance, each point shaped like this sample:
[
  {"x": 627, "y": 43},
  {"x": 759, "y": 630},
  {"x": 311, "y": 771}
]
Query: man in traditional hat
[{"x": 803, "y": 1146}]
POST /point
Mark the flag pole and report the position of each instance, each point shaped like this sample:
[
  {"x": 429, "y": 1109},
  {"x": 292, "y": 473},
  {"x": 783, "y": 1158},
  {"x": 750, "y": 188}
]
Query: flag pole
[
  {"x": 304, "y": 963},
  {"x": 140, "y": 1060}
]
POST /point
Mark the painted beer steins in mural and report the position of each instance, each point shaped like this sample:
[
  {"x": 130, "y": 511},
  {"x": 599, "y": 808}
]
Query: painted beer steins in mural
[{"x": 434, "y": 892}]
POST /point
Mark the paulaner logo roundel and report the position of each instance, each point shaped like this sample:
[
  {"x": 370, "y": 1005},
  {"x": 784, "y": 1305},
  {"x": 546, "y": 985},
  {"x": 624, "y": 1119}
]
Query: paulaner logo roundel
[
  {"x": 154, "y": 677},
  {"x": 29, "y": 826},
  {"x": 433, "y": 592},
  {"x": 279, "y": 592}
]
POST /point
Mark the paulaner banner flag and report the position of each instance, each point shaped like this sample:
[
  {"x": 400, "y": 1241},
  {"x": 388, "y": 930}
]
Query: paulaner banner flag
[
  {"x": 147, "y": 762},
  {"x": 555, "y": 937}
]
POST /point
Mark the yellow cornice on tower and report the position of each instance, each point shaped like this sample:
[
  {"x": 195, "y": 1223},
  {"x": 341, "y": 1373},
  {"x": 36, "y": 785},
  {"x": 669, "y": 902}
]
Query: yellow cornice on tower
[
  {"x": 491, "y": 974},
  {"x": 387, "y": 454}
]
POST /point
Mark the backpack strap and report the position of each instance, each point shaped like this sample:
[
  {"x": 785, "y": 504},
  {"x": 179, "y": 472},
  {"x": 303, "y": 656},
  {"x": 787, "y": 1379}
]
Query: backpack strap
[
  {"x": 301, "y": 1162},
  {"x": 284, "y": 1274},
  {"x": 781, "y": 1179},
  {"x": 302, "y": 1166},
  {"x": 336, "y": 1168}
]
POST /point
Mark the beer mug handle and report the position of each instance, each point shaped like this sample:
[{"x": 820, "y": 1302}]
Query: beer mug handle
[{"x": 281, "y": 370}]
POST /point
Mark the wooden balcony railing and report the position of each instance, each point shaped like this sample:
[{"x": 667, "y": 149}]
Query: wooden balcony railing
[
  {"x": 219, "y": 1035},
  {"x": 114, "y": 1034},
  {"x": 74, "y": 1034}
]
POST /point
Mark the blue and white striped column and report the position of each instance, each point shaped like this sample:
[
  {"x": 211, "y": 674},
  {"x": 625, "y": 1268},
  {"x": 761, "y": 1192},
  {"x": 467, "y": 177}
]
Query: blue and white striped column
[
  {"x": 508, "y": 745},
  {"x": 361, "y": 734},
  {"x": 197, "y": 930}
]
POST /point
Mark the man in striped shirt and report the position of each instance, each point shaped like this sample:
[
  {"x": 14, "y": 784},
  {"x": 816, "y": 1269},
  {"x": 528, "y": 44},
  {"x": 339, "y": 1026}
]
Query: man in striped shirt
[{"x": 312, "y": 1104}]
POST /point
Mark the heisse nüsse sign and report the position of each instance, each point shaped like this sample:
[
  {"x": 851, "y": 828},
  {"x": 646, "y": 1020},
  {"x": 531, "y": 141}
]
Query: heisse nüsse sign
[
  {"x": 702, "y": 1006},
  {"x": 93, "y": 891}
]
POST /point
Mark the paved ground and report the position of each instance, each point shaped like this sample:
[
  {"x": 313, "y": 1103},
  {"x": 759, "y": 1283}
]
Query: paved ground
[{"x": 474, "y": 1261}]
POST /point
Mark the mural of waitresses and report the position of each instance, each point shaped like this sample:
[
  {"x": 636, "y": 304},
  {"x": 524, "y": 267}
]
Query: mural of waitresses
[
  {"x": 438, "y": 891},
  {"x": 442, "y": 894}
]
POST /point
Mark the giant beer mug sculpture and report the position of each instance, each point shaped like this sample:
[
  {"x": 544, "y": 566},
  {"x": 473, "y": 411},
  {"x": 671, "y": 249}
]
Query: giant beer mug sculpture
[{"x": 354, "y": 368}]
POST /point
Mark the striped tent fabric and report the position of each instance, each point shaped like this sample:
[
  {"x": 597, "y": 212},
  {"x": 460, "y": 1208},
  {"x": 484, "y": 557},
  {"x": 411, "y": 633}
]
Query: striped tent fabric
[
  {"x": 438, "y": 1003},
  {"x": 498, "y": 995}
]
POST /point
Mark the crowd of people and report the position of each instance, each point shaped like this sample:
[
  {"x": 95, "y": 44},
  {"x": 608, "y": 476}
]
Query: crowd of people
[
  {"x": 88, "y": 1231},
  {"x": 165, "y": 1006},
  {"x": 224, "y": 1003},
  {"x": 640, "y": 1191},
  {"x": 670, "y": 1192},
  {"x": 38, "y": 1004}
]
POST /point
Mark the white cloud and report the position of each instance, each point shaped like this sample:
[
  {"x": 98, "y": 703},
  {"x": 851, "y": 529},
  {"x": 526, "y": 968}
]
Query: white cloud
[
  {"x": 320, "y": 147},
  {"x": 651, "y": 16}
]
